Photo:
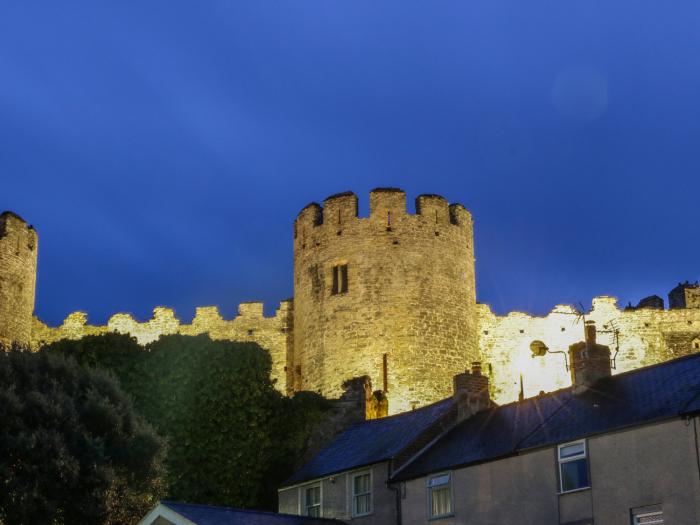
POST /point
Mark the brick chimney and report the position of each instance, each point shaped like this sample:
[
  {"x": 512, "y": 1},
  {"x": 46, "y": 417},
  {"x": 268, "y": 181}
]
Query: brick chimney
[
  {"x": 589, "y": 361},
  {"x": 471, "y": 392}
]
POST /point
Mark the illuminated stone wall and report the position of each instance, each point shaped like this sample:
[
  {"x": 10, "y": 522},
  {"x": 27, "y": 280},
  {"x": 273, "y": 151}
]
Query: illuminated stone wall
[
  {"x": 271, "y": 333},
  {"x": 410, "y": 296},
  {"x": 645, "y": 336},
  {"x": 18, "y": 249}
]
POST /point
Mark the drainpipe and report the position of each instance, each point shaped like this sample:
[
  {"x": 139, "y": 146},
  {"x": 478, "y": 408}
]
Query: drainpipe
[
  {"x": 397, "y": 492},
  {"x": 697, "y": 452}
]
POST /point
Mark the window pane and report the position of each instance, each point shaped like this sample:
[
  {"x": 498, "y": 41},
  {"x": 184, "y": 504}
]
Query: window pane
[
  {"x": 362, "y": 504},
  {"x": 361, "y": 484},
  {"x": 440, "y": 501},
  {"x": 314, "y": 511},
  {"x": 439, "y": 480},
  {"x": 655, "y": 518},
  {"x": 574, "y": 474},
  {"x": 571, "y": 450},
  {"x": 313, "y": 496}
]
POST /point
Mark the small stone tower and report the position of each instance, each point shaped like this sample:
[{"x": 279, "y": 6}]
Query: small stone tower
[
  {"x": 391, "y": 296},
  {"x": 18, "y": 256},
  {"x": 685, "y": 295}
]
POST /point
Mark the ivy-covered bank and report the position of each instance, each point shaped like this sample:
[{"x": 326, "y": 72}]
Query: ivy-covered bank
[{"x": 232, "y": 437}]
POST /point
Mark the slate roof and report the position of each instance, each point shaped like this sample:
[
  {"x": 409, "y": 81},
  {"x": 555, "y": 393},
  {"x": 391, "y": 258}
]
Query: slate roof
[
  {"x": 371, "y": 442},
  {"x": 641, "y": 396},
  {"x": 210, "y": 515}
]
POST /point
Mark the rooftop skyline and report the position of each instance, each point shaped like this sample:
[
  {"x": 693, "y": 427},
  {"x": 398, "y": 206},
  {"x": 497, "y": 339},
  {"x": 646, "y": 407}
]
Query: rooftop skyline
[{"x": 164, "y": 163}]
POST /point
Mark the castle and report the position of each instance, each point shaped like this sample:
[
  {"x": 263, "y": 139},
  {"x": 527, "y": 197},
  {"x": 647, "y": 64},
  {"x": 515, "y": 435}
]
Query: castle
[{"x": 391, "y": 296}]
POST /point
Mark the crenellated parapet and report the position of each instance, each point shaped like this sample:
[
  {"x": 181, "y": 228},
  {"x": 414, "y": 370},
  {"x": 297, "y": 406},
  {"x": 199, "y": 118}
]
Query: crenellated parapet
[
  {"x": 641, "y": 337},
  {"x": 388, "y": 209},
  {"x": 390, "y": 295},
  {"x": 272, "y": 333}
]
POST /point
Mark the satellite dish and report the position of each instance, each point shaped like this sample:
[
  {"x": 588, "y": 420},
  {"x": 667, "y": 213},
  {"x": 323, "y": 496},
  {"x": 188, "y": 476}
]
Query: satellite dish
[{"x": 538, "y": 348}]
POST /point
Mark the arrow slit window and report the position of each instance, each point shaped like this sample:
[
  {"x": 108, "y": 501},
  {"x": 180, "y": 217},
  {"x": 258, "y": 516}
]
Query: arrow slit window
[{"x": 340, "y": 279}]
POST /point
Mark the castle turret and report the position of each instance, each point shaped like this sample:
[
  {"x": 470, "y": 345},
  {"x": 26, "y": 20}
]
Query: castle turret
[
  {"x": 685, "y": 295},
  {"x": 391, "y": 296},
  {"x": 18, "y": 257}
]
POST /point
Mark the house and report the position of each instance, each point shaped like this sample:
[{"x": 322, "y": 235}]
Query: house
[
  {"x": 172, "y": 513},
  {"x": 608, "y": 450},
  {"x": 347, "y": 479}
]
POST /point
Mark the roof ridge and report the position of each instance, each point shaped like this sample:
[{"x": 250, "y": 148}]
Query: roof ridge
[
  {"x": 402, "y": 414},
  {"x": 688, "y": 357}
]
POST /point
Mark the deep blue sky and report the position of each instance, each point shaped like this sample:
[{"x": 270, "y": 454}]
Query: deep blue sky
[{"x": 163, "y": 148}]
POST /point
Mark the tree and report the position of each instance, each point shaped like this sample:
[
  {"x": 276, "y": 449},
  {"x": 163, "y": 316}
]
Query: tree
[{"x": 70, "y": 443}]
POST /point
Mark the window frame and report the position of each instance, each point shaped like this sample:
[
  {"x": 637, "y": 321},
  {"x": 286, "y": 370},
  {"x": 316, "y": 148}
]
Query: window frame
[
  {"x": 561, "y": 461},
  {"x": 303, "y": 507},
  {"x": 429, "y": 494},
  {"x": 357, "y": 474}
]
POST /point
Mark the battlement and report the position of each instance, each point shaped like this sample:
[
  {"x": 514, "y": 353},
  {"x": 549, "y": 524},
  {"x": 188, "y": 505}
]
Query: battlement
[
  {"x": 12, "y": 225},
  {"x": 387, "y": 208},
  {"x": 8, "y": 216}
]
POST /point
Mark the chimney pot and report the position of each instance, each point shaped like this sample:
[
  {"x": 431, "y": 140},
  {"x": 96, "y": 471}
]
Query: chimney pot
[
  {"x": 589, "y": 361},
  {"x": 590, "y": 332},
  {"x": 471, "y": 392}
]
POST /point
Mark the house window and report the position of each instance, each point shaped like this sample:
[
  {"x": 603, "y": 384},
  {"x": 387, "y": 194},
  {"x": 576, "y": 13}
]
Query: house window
[
  {"x": 312, "y": 501},
  {"x": 573, "y": 466},
  {"x": 340, "y": 279},
  {"x": 361, "y": 494},
  {"x": 439, "y": 496},
  {"x": 648, "y": 518}
]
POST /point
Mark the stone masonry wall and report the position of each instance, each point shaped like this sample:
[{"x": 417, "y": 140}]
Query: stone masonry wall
[
  {"x": 410, "y": 301},
  {"x": 410, "y": 296},
  {"x": 18, "y": 259},
  {"x": 646, "y": 336},
  {"x": 271, "y": 333}
]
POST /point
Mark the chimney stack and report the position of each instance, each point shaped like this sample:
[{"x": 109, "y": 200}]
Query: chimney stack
[
  {"x": 471, "y": 392},
  {"x": 589, "y": 361}
]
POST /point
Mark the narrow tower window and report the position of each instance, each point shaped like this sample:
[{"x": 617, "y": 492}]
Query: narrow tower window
[{"x": 340, "y": 279}]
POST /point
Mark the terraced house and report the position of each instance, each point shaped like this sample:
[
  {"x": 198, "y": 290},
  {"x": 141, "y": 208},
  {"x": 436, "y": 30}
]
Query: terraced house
[{"x": 610, "y": 449}]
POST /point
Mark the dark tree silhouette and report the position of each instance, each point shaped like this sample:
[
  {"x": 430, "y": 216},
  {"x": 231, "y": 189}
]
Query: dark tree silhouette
[{"x": 72, "y": 448}]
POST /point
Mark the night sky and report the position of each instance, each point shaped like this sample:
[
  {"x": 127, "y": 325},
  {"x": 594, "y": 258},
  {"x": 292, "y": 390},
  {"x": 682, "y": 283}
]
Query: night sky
[{"x": 163, "y": 148}]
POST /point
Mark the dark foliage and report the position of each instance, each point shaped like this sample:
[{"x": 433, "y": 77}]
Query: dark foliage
[
  {"x": 232, "y": 436},
  {"x": 72, "y": 449}
]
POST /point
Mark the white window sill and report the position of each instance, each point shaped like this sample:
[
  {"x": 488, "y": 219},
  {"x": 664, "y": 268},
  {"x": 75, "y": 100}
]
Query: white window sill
[
  {"x": 441, "y": 516},
  {"x": 574, "y": 490}
]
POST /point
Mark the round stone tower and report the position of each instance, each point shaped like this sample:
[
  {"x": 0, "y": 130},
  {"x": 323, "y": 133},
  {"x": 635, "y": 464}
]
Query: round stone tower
[
  {"x": 18, "y": 248},
  {"x": 391, "y": 296}
]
